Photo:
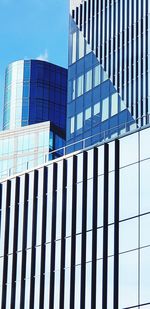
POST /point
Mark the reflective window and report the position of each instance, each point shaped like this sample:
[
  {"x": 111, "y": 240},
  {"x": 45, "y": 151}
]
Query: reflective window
[
  {"x": 72, "y": 125},
  {"x": 88, "y": 80},
  {"x": 80, "y": 83},
  {"x": 105, "y": 109},
  {"x": 57, "y": 290},
  {"x": 79, "y": 121},
  {"x": 100, "y": 243},
  {"x": 128, "y": 237},
  {"x": 99, "y": 285},
  {"x": 78, "y": 249},
  {"x": 96, "y": 108},
  {"x": 110, "y": 282},
  {"x": 96, "y": 76},
  {"x": 129, "y": 149},
  {"x": 129, "y": 191},
  {"x": 111, "y": 197},
  {"x": 74, "y": 39},
  {"x": 67, "y": 289},
  {"x": 114, "y": 104},
  {"x": 144, "y": 276},
  {"x": 100, "y": 201},
  {"x": 144, "y": 138},
  {"x": 89, "y": 246},
  {"x": 144, "y": 228},
  {"x": 77, "y": 287},
  {"x": 79, "y": 209},
  {"x": 144, "y": 186},
  {"x": 89, "y": 204},
  {"x": 88, "y": 286},
  {"x": 128, "y": 279}
]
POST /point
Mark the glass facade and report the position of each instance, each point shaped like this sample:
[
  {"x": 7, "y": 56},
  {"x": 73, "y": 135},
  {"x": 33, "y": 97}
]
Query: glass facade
[
  {"x": 108, "y": 69},
  {"x": 35, "y": 91},
  {"x": 74, "y": 233},
  {"x": 29, "y": 146}
]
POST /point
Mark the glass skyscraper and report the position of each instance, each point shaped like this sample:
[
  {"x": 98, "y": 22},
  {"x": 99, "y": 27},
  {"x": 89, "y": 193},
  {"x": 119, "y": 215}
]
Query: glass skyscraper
[
  {"x": 35, "y": 91},
  {"x": 108, "y": 68},
  {"x": 34, "y": 117}
]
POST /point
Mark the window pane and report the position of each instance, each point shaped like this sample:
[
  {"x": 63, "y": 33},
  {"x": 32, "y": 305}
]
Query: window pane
[
  {"x": 105, "y": 109},
  {"x": 128, "y": 279}
]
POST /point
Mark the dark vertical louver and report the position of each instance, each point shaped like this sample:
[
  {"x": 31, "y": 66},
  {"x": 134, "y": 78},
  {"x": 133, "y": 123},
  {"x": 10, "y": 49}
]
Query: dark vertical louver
[
  {"x": 24, "y": 241},
  {"x": 33, "y": 249},
  {"x": 14, "y": 265},
  {"x": 44, "y": 208},
  {"x": 63, "y": 229},
  {"x": 94, "y": 231},
  {"x": 6, "y": 242},
  {"x": 53, "y": 233},
  {"x": 83, "y": 248},
  {"x": 73, "y": 231},
  {"x": 105, "y": 224},
  {"x": 116, "y": 228}
]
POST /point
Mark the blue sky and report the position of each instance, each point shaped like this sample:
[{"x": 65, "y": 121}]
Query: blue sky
[{"x": 31, "y": 29}]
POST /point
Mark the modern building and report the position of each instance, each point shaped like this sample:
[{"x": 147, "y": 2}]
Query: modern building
[
  {"x": 29, "y": 146},
  {"x": 34, "y": 117},
  {"x": 108, "y": 68},
  {"x": 35, "y": 91},
  {"x": 74, "y": 233}
]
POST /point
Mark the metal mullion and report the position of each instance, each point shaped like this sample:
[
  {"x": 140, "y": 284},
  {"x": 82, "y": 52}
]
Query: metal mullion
[
  {"x": 43, "y": 249},
  {"x": 73, "y": 231},
  {"x": 6, "y": 242},
  {"x": 63, "y": 231},
  {"x": 94, "y": 230},
  {"x": 24, "y": 241},
  {"x": 33, "y": 250},
  {"x": 15, "y": 242},
  {"x": 84, "y": 219},
  {"x": 105, "y": 231},
  {"x": 53, "y": 233},
  {"x": 116, "y": 228}
]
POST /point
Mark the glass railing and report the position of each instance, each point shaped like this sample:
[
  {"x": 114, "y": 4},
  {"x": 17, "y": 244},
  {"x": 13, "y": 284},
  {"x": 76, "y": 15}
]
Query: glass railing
[{"x": 89, "y": 141}]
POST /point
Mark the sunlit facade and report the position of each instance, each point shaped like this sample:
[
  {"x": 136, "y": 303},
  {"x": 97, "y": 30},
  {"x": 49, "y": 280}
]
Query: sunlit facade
[
  {"x": 108, "y": 76},
  {"x": 26, "y": 147},
  {"x": 74, "y": 233},
  {"x": 35, "y": 91}
]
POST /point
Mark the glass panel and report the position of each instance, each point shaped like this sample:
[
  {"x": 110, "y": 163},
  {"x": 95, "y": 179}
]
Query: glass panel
[
  {"x": 144, "y": 276},
  {"x": 74, "y": 38},
  {"x": 144, "y": 186},
  {"x": 129, "y": 192},
  {"x": 80, "y": 83},
  {"x": 89, "y": 204},
  {"x": 128, "y": 238},
  {"x": 79, "y": 209},
  {"x": 114, "y": 104},
  {"x": 88, "y": 286},
  {"x": 96, "y": 76},
  {"x": 144, "y": 138},
  {"x": 78, "y": 249},
  {"x": 88, "y": 80},
  {"x": 99, "y": 285},
  {"x": 72, "y": 127},
  {"x": 144, "y": 228},
  {"x": 67, "y": 289},
  {"x": 57, "y": 290},
  {"x": 128, "y": 279},
  {"x": 131, "y": 143},
  {"x": 79, "y": 121},
  {"x": 105, "y": 109},
  {"x": 77, "y": 287},
  {"x": 100, "y": 201},
  {"x": 110, "y": 282},
  {"x": 100, "y": 243}
]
